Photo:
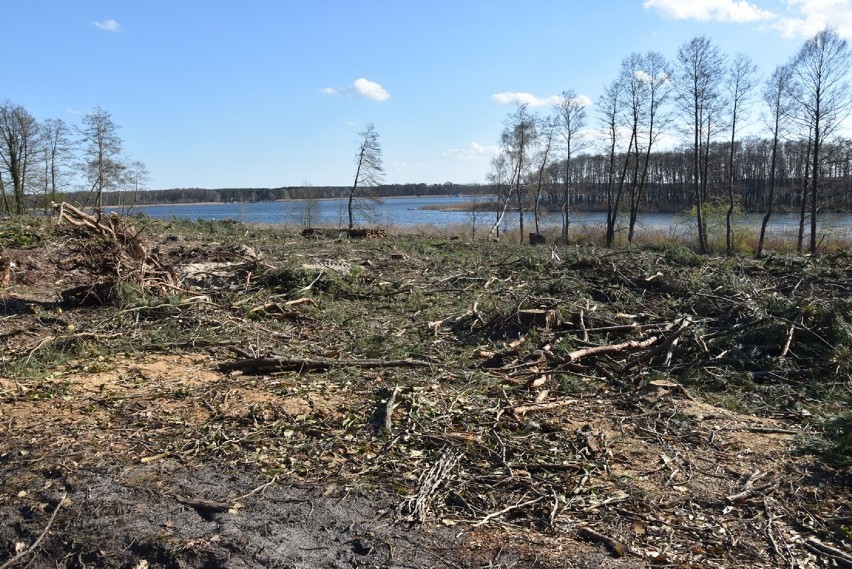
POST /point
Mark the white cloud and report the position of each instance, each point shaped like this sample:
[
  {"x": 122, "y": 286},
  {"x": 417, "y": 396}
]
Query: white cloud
[
  {"x": 729, "y": 11},
  {"x": 108, "y": 25},
  {"x": 370, "y": 90},
  {"x": 525, "y": 99},
  {"x": 474, "y": 153},
  {"x": 807, "y": 17},
  {"x": 361, "y": 88}
]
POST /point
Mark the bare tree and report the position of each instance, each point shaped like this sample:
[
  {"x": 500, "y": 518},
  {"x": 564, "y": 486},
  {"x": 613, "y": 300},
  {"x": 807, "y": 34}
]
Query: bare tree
[
  {"x": 102, "y": 166},
  {"x": 474, "y": 213},
  {"x": 654, "y": 85},
  {"x": 776, "y": 95},
  {"x": 137, "y": 176},
  {"x": 820, "y": 71},
  {"x": 310, "y": 206},
  {"x": 519, "y": 134},
  {"x": 698, "y": 74},
  {"x": 500, "y": 177},
  {"x": 571, "y": 114},
  {"x": 369, "y": 171},
  {"x": 635, "y": 91},
  {"x": 741, "y": 83},
  {"x": 610, "y": 107},
  {"x": 56, "y": 150},
  {"x": 19, "y": 138}
]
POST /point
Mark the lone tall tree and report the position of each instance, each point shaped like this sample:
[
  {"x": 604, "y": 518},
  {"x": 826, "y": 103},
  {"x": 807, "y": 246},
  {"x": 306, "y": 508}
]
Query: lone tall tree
[
  {"x": 102, "y": 165},
  {"x": 820, "y": 71},
  {"x": 369, "y": 171}
]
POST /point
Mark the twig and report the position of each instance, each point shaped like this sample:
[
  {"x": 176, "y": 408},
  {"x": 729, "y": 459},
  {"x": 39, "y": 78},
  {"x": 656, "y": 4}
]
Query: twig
[
  {"x": 260, "y": 488},
  {"x": 769, "y": 519},
  {"x": 38, "y": 540},
  {"x": 789, "y": 341},
  {"x": 310, "y": 286},
  {"x": 391, "y": 403},
  {"x": 583, "y": 328},
  {"x": 749, "y": 488},
  {"x": 507, "y": 509},
  {"x": 523, "y": 409}
]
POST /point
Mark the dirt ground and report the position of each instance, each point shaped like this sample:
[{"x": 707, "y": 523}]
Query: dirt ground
[{"x": 329, "y": 402}]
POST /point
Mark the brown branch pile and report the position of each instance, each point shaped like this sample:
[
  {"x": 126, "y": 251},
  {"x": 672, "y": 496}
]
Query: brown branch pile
[{"x": 110, "y": 251}]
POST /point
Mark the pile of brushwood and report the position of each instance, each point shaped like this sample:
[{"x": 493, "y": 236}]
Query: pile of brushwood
[{"x": 540, "y": 407}]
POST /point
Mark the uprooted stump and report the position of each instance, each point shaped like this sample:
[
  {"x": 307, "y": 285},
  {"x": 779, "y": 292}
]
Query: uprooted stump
[{"x": 110, "y": 253}]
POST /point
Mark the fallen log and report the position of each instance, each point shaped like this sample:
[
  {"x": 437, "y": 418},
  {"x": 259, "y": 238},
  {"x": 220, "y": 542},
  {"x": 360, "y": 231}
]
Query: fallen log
[
  {"x": 609, "y": 349},
  {"x": 282, "y": 363}
]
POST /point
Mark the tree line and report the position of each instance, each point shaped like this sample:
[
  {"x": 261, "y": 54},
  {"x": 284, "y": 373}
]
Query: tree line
[
  {"x": 40, "y": 161},
  {"x": 703, "y": 99},
  {"x": 127, "y": 197}
]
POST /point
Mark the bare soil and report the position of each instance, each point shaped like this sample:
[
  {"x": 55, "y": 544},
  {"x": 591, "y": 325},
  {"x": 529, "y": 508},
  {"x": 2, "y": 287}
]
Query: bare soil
[{"x": 165, "y": 425}]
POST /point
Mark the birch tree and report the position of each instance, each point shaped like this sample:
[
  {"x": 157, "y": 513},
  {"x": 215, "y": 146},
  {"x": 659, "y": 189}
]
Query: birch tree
[
  {"x": 519, "y": 134},
  {"x": 102, "y": 165}
]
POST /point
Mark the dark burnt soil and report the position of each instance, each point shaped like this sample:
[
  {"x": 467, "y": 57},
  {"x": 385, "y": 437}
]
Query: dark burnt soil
[{"x": 173, "y": 516}]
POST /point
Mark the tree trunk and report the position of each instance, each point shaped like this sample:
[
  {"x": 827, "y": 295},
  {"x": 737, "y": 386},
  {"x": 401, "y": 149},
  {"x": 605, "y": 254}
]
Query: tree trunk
[
  {"x": 771, "y": 197},
  {"x": 815, "y": 185}
]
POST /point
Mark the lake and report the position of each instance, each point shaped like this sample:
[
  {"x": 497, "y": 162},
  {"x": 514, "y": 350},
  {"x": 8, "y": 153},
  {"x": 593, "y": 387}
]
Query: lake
[{"x": 411, "y": 212}]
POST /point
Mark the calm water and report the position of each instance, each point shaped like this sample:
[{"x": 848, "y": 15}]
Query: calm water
[{"x": 411, "y": 211}]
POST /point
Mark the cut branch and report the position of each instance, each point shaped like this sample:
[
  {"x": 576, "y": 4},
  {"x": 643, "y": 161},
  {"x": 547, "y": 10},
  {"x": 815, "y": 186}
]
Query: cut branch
[{"x": 282, "y": 363}]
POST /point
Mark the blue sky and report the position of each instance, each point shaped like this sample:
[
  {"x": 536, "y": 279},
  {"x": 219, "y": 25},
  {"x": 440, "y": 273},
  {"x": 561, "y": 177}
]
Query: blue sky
[{"x": 264, "y": 93}]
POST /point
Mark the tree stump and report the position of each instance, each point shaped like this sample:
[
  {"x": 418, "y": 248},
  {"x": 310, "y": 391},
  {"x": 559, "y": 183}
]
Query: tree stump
[
  {"x": 546, "y": 319},
  {"x": 537, "y": 239}
]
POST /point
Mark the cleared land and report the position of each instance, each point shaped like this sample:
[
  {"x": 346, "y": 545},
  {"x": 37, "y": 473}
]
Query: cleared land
[{"x": 216, "y": 395}]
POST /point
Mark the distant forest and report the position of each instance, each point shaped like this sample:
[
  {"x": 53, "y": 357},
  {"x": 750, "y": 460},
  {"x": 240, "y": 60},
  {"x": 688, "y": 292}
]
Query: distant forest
[
  {"x": 250, "y": 195},
  {"x": 668, "y": 188}
]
